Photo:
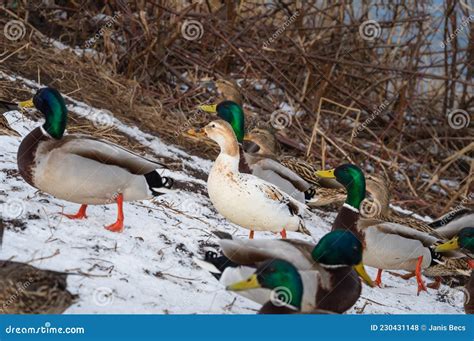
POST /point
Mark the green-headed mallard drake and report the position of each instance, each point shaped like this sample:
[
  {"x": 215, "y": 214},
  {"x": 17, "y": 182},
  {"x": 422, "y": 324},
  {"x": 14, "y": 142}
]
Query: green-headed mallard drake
[
  {"x": 83, "y": 169},
  {"x": 464, "y": 241},
  {"x": 288, "y": 276},
  {"x": 25, "y": 289},
  {"x": 378, "y": 207},
  {"x": 387, "y": 245},
  {"x": 243, "y": 198},
  {"x": 261, "y": 144},
  {"x": 267, "y": 169}
]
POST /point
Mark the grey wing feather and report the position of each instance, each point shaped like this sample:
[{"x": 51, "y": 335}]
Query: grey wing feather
[{"x": 250, "y": 252}]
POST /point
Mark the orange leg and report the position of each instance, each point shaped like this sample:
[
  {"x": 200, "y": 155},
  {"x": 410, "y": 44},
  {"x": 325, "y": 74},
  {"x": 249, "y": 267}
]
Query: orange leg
[
  {"x": 251, "y": 234},
  {"x": 470, "y": 262},
  {"x": 419, "y": 280},
  {"x": 283, "y": 234},
  {"x": 378, "y": 279},
  {"x": 81, "y": 214},
  {"x": 118, "y": 225}
]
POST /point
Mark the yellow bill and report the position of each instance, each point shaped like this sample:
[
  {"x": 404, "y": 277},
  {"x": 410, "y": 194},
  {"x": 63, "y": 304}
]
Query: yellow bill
[
  {"x": 249, "y": 283},
  {"x": 326, "y": 174},
  {"x": 210, "y": 108},
  {"x": 26, "y": 104},
  {"x": 450, "y": 245},
  {"x": 359, "y": 268},
  {"x": 200, "y": 133}
]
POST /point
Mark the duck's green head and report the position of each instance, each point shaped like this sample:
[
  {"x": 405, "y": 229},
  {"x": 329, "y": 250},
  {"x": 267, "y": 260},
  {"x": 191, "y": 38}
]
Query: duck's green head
[
  {"x": 50, "y": 102},
  {"x": 463, "y": 240},
  {"x": 231, "y": 112},
  {"x": 341, "y": 248},
  {"x": 279, "y": 276},
  {"x": 352, "y": 178}
]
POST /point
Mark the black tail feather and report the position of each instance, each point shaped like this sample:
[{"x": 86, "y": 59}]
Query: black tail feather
[
  {"x": 220, "y": 262},
  {"x": 222, "y": 234},
  {"x": 156, "y": 181}
]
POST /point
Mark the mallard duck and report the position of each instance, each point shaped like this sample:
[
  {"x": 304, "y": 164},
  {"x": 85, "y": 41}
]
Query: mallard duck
[
  {"x": 288, "y": 276},
  {"x": 387, "y": 245},
  {"x": 378, "y": 207},
  {"x": 5, "y": 128},
  {"x": 261, "y": 144},
  {"x": 244, "y": 199},
  {"x": 265, "y": 168},
  {"x": 452, "y": 222},
  {"x": 25, "y": 289},
  {"x": 228, "y": 90},
  {"x": 463, "y": 240},
  {"x": 83, "y": 169}
]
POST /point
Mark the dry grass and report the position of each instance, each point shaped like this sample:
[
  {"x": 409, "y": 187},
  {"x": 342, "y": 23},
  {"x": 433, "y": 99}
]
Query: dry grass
[{"x": 401, "y": 84}]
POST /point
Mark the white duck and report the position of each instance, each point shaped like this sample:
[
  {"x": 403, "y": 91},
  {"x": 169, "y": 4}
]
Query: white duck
[{"x": 245, "y": 199}]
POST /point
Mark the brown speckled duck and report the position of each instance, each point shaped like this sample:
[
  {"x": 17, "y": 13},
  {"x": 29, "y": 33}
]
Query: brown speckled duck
[
  {"x": 25, "y": 289},
  {"x": 261, "y": 144}
]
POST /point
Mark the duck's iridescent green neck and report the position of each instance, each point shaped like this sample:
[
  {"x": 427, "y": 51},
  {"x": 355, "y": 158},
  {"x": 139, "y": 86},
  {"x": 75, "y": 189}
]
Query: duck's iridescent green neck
[
  {"x": 466, "y": 239},
  {"x": 284, "y": 281},
  {"x": 234, "y": 114},
  {"x": 356, "y": 191},
  {"x": 338, "y": 248},
  {"x": 296, "y": 290},
  {"x": 56, "y": 116}
]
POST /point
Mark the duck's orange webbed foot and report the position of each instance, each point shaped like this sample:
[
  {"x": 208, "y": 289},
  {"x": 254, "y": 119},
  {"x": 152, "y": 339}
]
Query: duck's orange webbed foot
[
  {"x": 81, "y": 214},
  {"x": 118, "y": 225}
]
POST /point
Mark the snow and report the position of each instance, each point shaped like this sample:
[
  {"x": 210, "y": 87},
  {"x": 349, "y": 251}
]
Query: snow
[{"x": 149, "y": 267}]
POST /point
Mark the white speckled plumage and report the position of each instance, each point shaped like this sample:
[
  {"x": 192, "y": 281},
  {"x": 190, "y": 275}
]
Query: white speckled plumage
[{"x": 245, "y": 199}]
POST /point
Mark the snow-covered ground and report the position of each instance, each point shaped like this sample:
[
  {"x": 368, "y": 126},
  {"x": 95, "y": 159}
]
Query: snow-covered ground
[{"x": 149, "y": 267}]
